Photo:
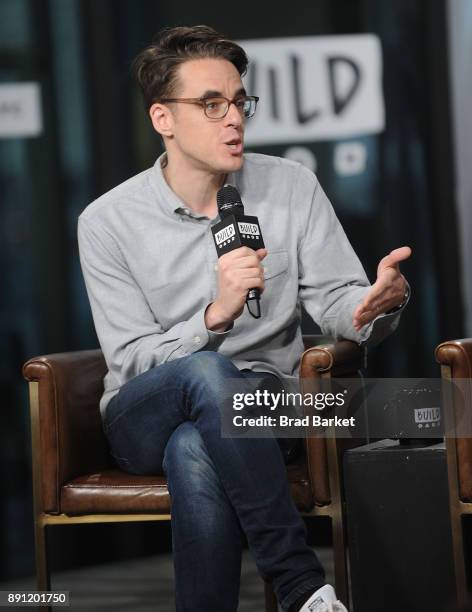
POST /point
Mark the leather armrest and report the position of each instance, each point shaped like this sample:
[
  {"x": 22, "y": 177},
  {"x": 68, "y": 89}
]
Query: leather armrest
[
  {"x": 72, "y": 442},
  {"x": 457, "y": 354},
  {"x": 343, "y": 358},
  {"x": 338, "y": 359}
]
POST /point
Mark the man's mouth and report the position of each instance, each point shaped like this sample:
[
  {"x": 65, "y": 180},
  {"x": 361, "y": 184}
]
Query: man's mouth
[{"x": 235, "y": 145}]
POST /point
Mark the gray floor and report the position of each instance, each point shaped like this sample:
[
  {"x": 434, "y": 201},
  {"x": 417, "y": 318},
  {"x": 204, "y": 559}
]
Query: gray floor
[{"x": 145, "y": 585}]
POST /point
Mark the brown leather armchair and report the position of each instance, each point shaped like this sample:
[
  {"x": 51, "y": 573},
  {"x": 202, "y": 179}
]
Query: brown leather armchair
[
  {"x": 75, "y": 479},
  {"x": 455, "y": 358}
]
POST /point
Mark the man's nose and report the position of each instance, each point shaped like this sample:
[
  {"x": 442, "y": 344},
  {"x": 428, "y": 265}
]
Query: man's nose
[{"x": 233, "y": 116}]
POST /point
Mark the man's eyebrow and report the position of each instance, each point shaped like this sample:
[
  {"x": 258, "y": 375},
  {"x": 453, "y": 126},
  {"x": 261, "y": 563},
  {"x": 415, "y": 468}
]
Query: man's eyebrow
[{"x": 210, "y": 93}]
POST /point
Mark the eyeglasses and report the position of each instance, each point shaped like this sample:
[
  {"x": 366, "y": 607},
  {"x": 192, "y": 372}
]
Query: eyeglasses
[{"x": 217, "y": 107}]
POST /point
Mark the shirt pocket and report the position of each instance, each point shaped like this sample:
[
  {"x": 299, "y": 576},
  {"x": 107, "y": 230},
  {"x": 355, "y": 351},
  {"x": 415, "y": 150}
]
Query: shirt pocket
[{"x": 275, "y": 264}]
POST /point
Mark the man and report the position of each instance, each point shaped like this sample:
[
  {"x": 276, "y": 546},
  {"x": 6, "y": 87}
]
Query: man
[{"x": 171, "y": 321}]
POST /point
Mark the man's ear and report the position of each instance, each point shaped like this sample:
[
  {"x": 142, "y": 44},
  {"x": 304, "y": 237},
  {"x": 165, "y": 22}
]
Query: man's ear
[{"x": 162, "y": 119}]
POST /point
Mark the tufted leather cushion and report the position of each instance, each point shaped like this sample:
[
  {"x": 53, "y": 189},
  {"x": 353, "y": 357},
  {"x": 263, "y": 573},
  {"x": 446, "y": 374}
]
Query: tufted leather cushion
[
  {"x": 457, "y": 355},
  {"x": 114, "y": 492}
]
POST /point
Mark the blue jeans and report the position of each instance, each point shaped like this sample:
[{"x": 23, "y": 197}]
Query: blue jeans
[{"x": 168, "y": 420}]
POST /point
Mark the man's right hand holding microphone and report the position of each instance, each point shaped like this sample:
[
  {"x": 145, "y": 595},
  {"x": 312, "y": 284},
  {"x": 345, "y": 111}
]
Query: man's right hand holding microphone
[{"x": 238, "y": 271}]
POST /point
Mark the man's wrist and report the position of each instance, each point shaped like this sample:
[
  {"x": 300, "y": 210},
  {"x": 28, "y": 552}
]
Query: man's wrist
[
  {"x": 406, "y": 297},
  {"x": 215, "y": 319}
]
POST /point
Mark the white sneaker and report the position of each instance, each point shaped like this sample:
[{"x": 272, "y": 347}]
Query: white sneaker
[{"x": 323, "y": 600}]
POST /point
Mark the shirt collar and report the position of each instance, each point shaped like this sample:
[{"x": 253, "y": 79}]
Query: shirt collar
[{"x": 173, "y": 204}]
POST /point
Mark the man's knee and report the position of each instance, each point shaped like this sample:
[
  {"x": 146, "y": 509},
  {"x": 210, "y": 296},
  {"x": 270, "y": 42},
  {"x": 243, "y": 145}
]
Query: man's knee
[
  {"x": 216, "y": 374},
  {"x": 185, "y": 452},
  {"x": 211, "y": 361}
]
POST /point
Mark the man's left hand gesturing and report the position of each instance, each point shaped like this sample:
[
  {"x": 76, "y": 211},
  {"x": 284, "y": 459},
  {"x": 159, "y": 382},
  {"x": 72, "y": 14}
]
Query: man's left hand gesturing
[{"x": 387, "y": 292}]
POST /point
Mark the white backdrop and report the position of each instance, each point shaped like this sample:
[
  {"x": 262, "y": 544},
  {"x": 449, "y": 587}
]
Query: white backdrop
[
  {"x": 460, "y": 54},
  {"x": 315, "y": 88}
]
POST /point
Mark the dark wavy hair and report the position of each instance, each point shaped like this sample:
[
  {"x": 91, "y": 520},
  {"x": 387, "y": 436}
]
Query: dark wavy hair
[{"x": 155, "y": 68}]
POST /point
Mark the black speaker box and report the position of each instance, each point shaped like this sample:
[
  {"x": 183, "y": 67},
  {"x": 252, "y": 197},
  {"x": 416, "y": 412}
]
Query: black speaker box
[{"x": 399, "y": 533}]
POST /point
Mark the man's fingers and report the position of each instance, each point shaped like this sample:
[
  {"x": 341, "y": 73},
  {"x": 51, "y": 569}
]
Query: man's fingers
[
  {"x": 361, "y": 317},
  {"x": 373, "y": 296},
  {"x": 364, "y": 319},
  {"x": 251, "y": 260},
  {"x": 367, "y": 311},
  {"x": 375, "y": 302},
  {"x": 250, "y": 273},
  {"x": 247, "y": 262},
  {"x": 394, "y": 258},
  {"x": 261, "y": 253},
  {"x": 386, "y": 292},
  {"x": 240, "y": 252}
]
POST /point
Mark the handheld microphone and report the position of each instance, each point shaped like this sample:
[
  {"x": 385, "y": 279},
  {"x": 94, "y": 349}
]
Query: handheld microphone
[{"x": 235, "y": 229}]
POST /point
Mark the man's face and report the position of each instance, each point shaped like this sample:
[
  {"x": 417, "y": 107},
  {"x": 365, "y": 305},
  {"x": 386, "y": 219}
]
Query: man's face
[{"x": 214, "y": 145}]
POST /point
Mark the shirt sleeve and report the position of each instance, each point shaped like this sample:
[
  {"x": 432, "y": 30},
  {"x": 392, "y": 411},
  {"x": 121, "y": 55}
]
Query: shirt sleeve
[
  {"x": 130, "y": 337},
  {"x": 332, "y": 280}
]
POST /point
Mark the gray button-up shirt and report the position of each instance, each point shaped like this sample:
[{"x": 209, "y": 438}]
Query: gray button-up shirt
[{"x": 150, "y": 269}]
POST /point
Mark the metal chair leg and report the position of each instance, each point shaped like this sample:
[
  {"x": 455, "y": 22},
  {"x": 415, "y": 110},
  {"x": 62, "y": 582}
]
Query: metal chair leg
[
  {"x": 459, "y": 559},
  {"x": 340, "y": 565},
  {"x": 270, "y": 598},
  {"x": 42, "y": 570},
  {"x": 337, "y": 519}
]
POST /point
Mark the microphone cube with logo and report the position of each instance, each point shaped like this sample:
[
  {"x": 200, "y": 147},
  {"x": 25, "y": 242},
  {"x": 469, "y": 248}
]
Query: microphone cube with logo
[{"x": 235, "y": 231}]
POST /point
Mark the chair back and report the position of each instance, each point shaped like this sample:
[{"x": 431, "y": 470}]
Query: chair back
[{"x": 68, "y": 387}]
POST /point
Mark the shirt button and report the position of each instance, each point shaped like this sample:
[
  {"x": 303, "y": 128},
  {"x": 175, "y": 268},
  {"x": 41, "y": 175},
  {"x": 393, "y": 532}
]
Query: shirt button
[{"x": 197, "y": 339}]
